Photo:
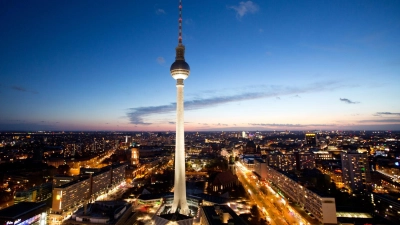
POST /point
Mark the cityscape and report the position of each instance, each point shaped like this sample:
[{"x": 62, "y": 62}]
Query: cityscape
[
  {"x": 275, "y": 177},
  {"x": 287, "y": 114}
]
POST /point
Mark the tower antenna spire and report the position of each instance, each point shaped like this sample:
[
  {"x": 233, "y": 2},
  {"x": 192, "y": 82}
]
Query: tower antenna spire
[{"x": 180, "y": 23}]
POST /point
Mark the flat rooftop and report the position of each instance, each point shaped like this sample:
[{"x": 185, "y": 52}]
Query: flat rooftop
[{"x": 20, "y": 209}]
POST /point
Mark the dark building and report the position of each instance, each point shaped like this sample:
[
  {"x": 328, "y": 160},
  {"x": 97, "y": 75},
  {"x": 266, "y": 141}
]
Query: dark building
[
  {"x": 311, "y": 139},
  {"x": 223, "y": 181},
  {"x": 250, "y": 147},
  {"x": 24, "y": 213},
  {"x": 219, "y": 215}
]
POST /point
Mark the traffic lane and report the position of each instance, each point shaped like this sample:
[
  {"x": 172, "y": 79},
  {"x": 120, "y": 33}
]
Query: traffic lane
[{"x": 261, "y": 202}]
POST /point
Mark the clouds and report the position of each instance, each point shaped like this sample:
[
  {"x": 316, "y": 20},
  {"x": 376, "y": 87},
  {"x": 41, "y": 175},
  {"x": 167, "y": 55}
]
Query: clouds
[
  {"x": 160, "y": 60},
  {"x": 137, "y": 114},
  {"x": 348, "y": 101},
  {"x": 160, "y": 11},
  {"x": 289, "y": 125},
  {"x": 245, "y": 8},
  {"x": 387, "y": 114},
  {"x": 20, "y": 89},
  {"x": 384, "y": 117},
  {"x": 380, "y": 121}
]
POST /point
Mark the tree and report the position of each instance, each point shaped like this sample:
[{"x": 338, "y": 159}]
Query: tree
[
  {"x": 63, "y": 169},
  {"x": 254, "y": 211}
]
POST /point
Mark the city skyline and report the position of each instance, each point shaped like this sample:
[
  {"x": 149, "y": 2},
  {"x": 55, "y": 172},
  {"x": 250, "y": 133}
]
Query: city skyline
[{"x": 256, "y": 65}]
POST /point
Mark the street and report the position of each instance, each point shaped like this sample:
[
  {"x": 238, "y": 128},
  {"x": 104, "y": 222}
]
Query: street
[{"x": 274, "y": 207}]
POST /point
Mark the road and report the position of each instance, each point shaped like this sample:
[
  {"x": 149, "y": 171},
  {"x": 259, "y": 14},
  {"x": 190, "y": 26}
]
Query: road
[{"x": 274, "y": 207}]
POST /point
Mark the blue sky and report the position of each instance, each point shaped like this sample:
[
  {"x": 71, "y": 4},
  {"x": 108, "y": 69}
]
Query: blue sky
[{"x": 255, "y": 65}]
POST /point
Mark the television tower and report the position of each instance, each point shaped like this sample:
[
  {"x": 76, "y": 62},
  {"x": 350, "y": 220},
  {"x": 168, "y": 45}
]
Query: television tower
[{"x": 180, "y": 71}]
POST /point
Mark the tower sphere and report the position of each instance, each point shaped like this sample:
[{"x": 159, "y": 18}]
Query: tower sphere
[{"x": 180, "y": 69}]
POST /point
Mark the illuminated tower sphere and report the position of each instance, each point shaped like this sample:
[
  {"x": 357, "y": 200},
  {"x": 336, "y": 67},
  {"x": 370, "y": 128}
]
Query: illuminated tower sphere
[{"x": 180, "y": 71}]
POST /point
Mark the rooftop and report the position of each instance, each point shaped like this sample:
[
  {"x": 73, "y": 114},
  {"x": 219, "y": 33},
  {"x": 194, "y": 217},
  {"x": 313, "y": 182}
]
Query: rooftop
[
  {"x": 217, "y": 215},
  {"x": 22, "y": 208}
]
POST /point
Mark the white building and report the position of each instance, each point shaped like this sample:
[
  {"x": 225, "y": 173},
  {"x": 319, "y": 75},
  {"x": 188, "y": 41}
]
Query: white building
[{"x": 260, "y": 167}]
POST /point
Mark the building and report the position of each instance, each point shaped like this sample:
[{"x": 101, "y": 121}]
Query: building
[
  {"x": 323, "y": 208},
  {"x": 355, "y": 169},
  {"x": 180, "y": 71},
  {"x": 94, "y": 182},
  {"x": 224, "y": 181},
  {"x": 70, "y": 194},
  {"x": 103, "y": 212},
  {"x": 149, "y": 151},
  {"x": 248, "y": 162},
  {"x": 232, "y": 167},
  {"x": 219, "y": 215},
  {"x": 304, "y": 160},
  {"x": 323, "y": 155},
  {"x": 284, "y": 162},
  {"x": 250, "y": 148},
  {"x": 35, "y": 194},
  {"x": 260, "y": 168},
  {"x": 24, "y": 213},
  {"x": 386, "y": 206},
  {"x": 311, "y": 139},
  {"x": 134, "y": 156},
  {"x": 59, "y": 180},
  {"x": 100, "y": 182},
  {"x": 118, "y": 173},
  {"x": 89, "y": 171}
]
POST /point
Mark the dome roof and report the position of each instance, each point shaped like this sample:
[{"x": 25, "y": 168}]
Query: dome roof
[{"x": 179, "y": 65}]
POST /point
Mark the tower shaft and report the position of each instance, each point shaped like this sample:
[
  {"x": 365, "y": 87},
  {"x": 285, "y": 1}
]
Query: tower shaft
[{"x": 180, "y": 201}]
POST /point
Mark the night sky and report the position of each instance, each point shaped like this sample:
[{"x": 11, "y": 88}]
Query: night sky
[{"x": 255, "y": 65}]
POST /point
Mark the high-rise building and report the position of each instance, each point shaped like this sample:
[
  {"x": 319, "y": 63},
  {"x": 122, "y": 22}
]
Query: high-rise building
[
  {"x": 304, "y": 160},
  {"x": 311, "y": 139},
  {"x": 135, "y": 156},
  {"x": 355, "y": 170},
  {"x": 180, "y": 71}
]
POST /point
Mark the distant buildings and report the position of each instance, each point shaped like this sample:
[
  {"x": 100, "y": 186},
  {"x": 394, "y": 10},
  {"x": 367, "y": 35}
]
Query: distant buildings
[
  {"x": 244, "y": 135},
  {"x": 291, "y": 161}
]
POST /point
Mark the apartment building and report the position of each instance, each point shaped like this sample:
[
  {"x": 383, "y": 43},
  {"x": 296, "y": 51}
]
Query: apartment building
[
  {"x": 355, "y": 169},
  {"x": 323, "y": 208}
]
